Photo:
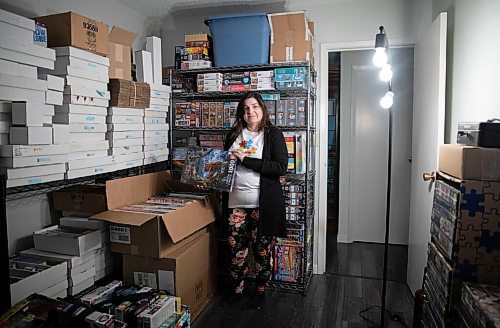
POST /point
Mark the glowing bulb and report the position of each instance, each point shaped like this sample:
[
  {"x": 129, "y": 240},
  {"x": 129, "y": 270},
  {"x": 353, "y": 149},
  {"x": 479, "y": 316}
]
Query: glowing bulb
[
  {"x": 380, "y": 57},
  {"x": 387, "y": 100},
  {"x": 386, "y": 73}
]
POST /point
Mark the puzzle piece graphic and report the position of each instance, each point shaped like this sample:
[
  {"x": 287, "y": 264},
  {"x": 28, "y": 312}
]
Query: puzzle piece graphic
[
  {"x": 488, "y": 274},
  {"x": 491, "y": 222},
  {"x": 466, "y": 271},
  {"x": 471, "y": 201}
]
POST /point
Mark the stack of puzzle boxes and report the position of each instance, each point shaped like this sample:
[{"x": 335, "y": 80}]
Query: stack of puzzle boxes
[{"x": 465, "y": 229}]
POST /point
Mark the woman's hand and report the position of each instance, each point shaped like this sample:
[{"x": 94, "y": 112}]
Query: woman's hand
[{"x": 239, "y": 155}]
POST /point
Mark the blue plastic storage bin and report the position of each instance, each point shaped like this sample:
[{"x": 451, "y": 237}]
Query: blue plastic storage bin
[{"x": 240, "y": 39}]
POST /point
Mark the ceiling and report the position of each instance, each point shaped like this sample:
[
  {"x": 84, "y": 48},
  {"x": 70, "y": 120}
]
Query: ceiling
[{"x": 160, "y": 8}]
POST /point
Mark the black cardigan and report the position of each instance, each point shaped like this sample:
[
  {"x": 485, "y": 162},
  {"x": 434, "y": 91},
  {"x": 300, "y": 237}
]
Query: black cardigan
[{"x": 272, "y": 165}]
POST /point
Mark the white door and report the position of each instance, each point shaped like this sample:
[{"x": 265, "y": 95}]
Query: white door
[{"x": 428, "y": 134}]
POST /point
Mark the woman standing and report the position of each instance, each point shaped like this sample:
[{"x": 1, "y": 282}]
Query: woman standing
[{"x": 255, "y": 208}]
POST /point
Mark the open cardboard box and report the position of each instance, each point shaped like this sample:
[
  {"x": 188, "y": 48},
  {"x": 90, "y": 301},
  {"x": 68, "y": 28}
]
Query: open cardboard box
[{"x": 149, "y": 234}]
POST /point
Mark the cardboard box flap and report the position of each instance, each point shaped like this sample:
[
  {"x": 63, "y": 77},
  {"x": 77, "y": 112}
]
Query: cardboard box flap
[
  {"x": 134, "y": 219},
  {"x": 121, "y": 36},
  {"x": 183, "y": 221},
  {"x": 136, "y": 189},
  {"x": 283, "y": 22},
  {"x": 310, "y": 24}
]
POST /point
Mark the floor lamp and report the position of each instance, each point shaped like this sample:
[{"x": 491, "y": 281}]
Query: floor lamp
[{"x": 386, "y": 102}]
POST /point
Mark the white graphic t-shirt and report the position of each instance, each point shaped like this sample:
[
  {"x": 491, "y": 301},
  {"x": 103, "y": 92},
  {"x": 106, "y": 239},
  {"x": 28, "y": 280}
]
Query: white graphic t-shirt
[{"x": 245, "y": 191}]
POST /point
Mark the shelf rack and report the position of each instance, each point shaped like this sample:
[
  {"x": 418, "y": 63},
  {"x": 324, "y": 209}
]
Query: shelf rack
[{"x": 42, "y": 188}]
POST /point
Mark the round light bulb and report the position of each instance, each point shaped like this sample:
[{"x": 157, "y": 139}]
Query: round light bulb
[
  {"x": 386, "y": 73},
  {"x": 387, "y": 100},
  {"x": 380, "y": 57}
]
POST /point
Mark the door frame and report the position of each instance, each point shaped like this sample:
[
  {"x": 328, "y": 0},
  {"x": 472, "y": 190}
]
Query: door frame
[{"x": 320, "y": 219}]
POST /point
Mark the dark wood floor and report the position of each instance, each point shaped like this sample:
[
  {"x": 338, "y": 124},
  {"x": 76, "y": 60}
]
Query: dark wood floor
[{"x": 334, "y": 299}]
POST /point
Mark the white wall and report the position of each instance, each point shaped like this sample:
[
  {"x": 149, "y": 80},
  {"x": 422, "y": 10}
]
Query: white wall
[
  {"x": 32, "y": 213},
  {"x": 476, "y": 66}
]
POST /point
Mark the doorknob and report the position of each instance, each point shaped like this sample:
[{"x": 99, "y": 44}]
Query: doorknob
[{"x": 429, "y": 176}]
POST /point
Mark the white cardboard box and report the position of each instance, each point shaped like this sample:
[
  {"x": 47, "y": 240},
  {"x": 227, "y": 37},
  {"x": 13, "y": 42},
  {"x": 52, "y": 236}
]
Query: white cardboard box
[
  {"x": 156, "y": 159},
  {"x": 12, "y": 68},
  {"x": 18, "y": 94},
  {"x": 53, "y": 82},
  {"x": 126, "y": 142},
  {"x": 124, "y": 135},
  {"x": 155, "y": 140},
  {"x": 82, "y": 222},
  {"x": 27, "y": 47},
  {"x": 24, "y": 58},
  {"x": 22, "y": 82},
  {"x": 20, "y": 33},
  {"x": 27, "y": 114},
  {"x": 32, "y": 135},
  {"x": 54, "y": 273},
  {"x": 144, "y": 66},
  {"x": 72, "y": 260},
  {"x": 81, "y": 109},
  {"x": 126, "y": 127},
  {"x": 76, "y": 137},
  {"x": 53, "y": 97},
  {"x": 70, "y": 71},
  {"x": 88, "y": 154},
  {"x": 79, "y": 118},
  {"x": 155, "y": 113},
  {"x": 87, "y": 128},
  {"x": 160, "y": 90},
  {"x": 5, "y": 127},
  {"x": 84, "y": 100},
  {"x": 162, "y": 108},
  {"x": 17, "y": 20},
  {"x": 154, "y": 120},
  {"x": 69, "y": 241},
  {"x": 153, "y": 147},
  {"x": 34, "y": 180},
  {"x": 47, "y": 120},
  {"x": 57, "y": 289},
  {"x": 89, "y": 162},
  {"x": 41, "y": 170},
  {"x": 82, "y": 54},
  {"x": 79, "y": 81},
  {"x": 128, "y": 164},
  {"x": 128, "y": 157},
  {"x": 87, "y": 91},
  {"x": 122, "y": 119},
  {"x": 153, "y": 45},
  {"x": 82, "y": 276},
  {"x": 15, "y": 162},
  {"x": 73, "y": 290},
  {"x": 122, "y": 111},
  {"x": 156, "y": 126},
  {"x": 126, "y": 150},
  {"x": 62, "y": 62},
  {"x": 60, "y": 134},
  {"x": 85, "y": 145},
  {"x": 155, "y": 153},
  {"x": 72, "y": 174},
  {"x": 158, "y": 101},
  {"x": 27, "y": 150},
  {"x": 155, "y": 134}
]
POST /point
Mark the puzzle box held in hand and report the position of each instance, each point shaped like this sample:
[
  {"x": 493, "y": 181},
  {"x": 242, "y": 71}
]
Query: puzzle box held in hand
[{"x": 213, "y": 168}]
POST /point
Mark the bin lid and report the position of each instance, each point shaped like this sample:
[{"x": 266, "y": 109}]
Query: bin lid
[{"x": 212, "y": 18}]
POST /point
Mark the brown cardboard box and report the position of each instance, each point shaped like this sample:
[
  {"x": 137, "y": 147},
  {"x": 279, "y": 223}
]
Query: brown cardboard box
[
  {"x": 470, "y": 162},
  {"x": 149, "y": 234},
  {"x": 188, "y": 272},
  {"x": 291, "y": 37},
  {"x": 83, "y": 199},
  {"x": 71, "y": 29},
  {"x": 120, "y": 59},
  {"x": 197, "y": 37}
]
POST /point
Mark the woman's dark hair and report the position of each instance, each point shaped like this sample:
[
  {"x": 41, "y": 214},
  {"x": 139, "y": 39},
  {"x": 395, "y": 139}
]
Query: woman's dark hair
[{"x": 240, "y": 123}]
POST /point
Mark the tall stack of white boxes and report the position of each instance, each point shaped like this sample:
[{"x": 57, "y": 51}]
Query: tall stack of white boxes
[
  {"x": 29, "y": 154},
  {"x": 155, "y": 117},
  {"x": 83, "y": 112}
]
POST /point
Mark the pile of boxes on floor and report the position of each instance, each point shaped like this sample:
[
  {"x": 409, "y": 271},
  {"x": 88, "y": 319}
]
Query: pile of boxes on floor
[
  {"x": 161, "y": 227},
  {"x": 58, "y": 118},
  {"x": 112, "y": 305}
]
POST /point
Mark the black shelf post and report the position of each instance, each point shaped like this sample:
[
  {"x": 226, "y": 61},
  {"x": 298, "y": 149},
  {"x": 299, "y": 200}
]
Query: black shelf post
[{"x": 4, "y": 249}]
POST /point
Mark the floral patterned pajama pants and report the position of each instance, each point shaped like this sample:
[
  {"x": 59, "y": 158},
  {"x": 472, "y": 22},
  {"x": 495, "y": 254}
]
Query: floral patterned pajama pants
[{"x": 242, "y": 233}]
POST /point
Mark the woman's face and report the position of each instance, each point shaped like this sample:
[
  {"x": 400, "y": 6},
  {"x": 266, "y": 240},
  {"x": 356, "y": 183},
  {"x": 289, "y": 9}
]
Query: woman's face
[{"x": 253, "y": 113}]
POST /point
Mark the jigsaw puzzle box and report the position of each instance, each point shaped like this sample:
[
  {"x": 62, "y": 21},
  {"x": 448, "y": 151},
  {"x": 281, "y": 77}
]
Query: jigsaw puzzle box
[{"x": 474, "y": 248}]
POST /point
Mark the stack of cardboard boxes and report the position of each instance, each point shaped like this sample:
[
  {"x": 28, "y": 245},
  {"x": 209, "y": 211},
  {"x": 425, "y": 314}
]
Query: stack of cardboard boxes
[
  {"x": 174, "y": 251},
  {"x": 197, "y": 52}
]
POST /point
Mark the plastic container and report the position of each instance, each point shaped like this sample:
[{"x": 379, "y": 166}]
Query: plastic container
[{"x": 240, "y": 39}]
